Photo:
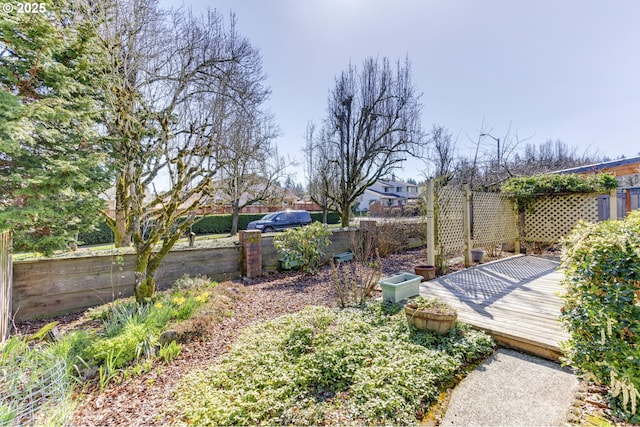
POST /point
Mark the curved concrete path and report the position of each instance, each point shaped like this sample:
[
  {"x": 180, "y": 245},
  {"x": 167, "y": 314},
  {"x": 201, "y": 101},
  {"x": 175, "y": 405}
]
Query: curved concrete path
[{"x": 513, "y": 389}]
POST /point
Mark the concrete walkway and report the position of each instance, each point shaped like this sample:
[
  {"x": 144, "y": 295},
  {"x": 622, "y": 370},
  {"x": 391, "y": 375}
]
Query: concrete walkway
[{"x": 513, "y": 389}]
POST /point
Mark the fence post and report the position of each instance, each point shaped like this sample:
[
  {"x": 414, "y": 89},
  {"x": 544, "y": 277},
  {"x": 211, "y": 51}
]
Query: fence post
[
  {"x": 613, "y": 204},
  {"x": 431, "y": 229},
  {"x": 6, "y": 284},
  {"x": 466, "y": 224},
  {"x": 251, "y": 242}
]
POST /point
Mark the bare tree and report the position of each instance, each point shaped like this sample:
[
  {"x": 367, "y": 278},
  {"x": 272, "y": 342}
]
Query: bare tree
[
  {"x": 172, "y": 80},
  {"x": 320, "y": 169},
  {"x": 443, "y": 154},
  {"x": 372, "y": 125},
  {"x": 250, "y": 164}
]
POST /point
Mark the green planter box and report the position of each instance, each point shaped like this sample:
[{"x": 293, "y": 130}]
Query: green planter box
[
  {"x": 344, "y": 256},
  {"x": 289, "y": 265},
  {"x": 399, "y": 287}
]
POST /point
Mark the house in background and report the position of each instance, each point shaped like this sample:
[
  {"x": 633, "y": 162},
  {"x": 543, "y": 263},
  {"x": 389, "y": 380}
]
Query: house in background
[
  {"x": 387, "y": 194},
  {"x": 627, "y": 172}
]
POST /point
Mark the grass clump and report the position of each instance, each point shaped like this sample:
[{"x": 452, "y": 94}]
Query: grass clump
[{"x": 326, "y": 366}]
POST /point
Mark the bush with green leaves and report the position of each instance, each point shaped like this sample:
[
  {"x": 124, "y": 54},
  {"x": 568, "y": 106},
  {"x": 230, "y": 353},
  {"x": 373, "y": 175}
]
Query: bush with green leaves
[
  {"x": 303, "y": 246},
  {"x": 602, "y": 307},
  {"x": 362, "y": 366}
]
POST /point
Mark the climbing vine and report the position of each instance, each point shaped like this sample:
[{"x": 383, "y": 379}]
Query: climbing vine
[{"x": 526, "y": 189}]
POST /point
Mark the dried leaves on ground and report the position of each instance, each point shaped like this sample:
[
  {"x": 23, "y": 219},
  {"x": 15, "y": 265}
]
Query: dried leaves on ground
[{"x": 141, "y": 400}]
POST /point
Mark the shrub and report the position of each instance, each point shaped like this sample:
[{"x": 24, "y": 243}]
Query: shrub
[
  {"x": 100, "y": 235},
  {"x": 324, "y": 366},
  {"x": 303, "y": 245},
  {"x": 602, "y": 307}
]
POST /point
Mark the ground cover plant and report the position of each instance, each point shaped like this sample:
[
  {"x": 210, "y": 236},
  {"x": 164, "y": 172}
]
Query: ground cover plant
[
  {"x": 37, "y": 378},
  {"x": 602, "y": 308},
  {"x": 328, "y": 366}
]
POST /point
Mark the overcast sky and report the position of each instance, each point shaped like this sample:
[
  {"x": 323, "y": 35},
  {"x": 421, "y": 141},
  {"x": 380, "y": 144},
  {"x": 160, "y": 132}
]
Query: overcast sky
[{"x": 543, "y": 69}]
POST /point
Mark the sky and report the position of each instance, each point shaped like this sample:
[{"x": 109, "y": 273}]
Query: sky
[{"x": 533, "y": 70}]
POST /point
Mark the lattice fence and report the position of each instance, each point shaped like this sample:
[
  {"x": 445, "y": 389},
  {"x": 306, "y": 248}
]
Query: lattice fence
[
  {"x": 551, "y": 218},
  {"x": 494, "y": 219},
  {"x": 450, "y": 221},
  {"x": 6, "y": 276}
]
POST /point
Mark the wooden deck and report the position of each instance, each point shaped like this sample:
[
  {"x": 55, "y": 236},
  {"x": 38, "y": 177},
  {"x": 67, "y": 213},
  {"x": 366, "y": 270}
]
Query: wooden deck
[{"x": 516, "y": 300}]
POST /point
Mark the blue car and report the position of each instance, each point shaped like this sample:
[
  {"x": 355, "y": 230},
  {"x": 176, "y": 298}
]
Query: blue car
[{"x": 279, "y": 221}]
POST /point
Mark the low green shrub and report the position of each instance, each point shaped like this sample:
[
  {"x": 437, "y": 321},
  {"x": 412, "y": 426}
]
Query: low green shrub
[
  {"x": 102, "y": 234},
  {"x": 170, "y": 351},
  {"x": 602, "y": 307},
  {"x": 303, "y": 246},
  {"x": 357, "y": 366}
]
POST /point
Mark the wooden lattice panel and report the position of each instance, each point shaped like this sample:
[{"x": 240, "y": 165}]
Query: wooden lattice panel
[
  {"x": 450, "y": 225},
  {"x": 494, "y": 219},
  {"x": 551, "y": 218}
]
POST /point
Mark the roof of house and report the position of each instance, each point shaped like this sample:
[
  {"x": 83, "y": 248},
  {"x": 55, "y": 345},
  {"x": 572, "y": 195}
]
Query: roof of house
[
  {"x": 385, "y": 195},
  {"x": 602, "y": 166},
  {"x": 391, "y": 195}
]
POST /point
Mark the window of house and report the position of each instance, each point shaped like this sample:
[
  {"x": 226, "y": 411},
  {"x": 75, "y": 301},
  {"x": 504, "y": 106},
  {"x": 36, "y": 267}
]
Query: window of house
[{"x": 399, "y": 190}]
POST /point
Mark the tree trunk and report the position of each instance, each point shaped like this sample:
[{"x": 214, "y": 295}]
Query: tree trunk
[
  {"x": 235, "y": 215},
  {"x": 121, "y": 233},
  {"x": 345, "y": 213},
  {"x": 145, "y": 280}
]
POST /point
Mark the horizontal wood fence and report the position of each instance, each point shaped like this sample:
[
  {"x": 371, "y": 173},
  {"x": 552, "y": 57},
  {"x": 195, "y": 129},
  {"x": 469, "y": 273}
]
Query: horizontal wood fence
[
  {"x": 270, "y": 257},
  {"x": 49, "y": 287},
  {"x": 5, "y": 284},
  {"x": 43, "y": 288}
]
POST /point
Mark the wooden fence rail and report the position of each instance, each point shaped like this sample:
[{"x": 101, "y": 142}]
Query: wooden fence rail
[{"x": 6, "y": 279}]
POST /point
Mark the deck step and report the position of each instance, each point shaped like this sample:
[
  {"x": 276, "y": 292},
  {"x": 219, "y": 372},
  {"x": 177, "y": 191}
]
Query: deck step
[{"x": 518, "y": 312}]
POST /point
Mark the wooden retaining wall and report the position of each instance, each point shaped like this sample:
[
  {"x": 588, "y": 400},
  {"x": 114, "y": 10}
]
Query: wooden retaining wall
[
  {"x": 49, "y": 287},
  {"x": 270, "y": 257},
  {"x": 44, "y": 288}
]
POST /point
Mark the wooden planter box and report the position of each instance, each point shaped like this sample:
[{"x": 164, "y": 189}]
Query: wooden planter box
[
  {"x": 399, "y": 287},
  {"x": 441, "y": 323}
]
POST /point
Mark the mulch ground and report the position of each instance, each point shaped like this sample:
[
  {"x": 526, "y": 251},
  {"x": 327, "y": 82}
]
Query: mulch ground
[{"x": 142, "y": 400}]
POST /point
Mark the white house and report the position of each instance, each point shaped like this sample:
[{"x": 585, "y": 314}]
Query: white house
[{"x": 388, "y": 193}]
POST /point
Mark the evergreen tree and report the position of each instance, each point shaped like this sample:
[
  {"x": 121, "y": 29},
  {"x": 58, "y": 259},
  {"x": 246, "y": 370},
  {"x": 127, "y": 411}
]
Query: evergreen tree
[{"x": 51, "y": 167}]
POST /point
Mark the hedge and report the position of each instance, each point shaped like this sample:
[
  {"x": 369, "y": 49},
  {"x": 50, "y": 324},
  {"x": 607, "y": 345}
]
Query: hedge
[
  {"x": 602, "y": 307},
  {"x": 209, "y": 224}
]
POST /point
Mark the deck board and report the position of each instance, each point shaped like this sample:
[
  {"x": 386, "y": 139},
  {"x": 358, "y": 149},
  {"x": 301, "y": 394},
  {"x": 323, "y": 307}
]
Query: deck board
[{"x": 516, "y": 300}]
